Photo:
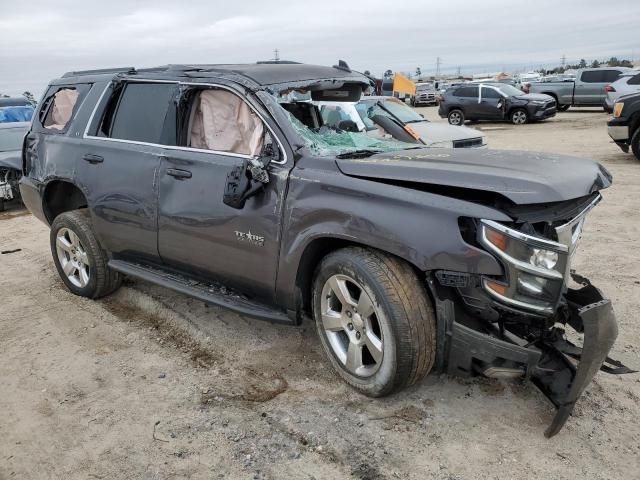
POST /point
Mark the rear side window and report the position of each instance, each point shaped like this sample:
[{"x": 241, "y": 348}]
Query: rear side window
[
  {"x": 467, "y": 92},
  {"x": 635, "y": 80},
  {"x": 57, "y": 110},
  {"x": 141, "y": 112},
  {"x": 593, "y": 76},
  {"x": 611, "y": 76}
]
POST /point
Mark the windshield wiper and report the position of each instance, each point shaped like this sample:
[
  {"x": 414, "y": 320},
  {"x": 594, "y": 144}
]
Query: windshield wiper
[{"x": 362, "y": 153}]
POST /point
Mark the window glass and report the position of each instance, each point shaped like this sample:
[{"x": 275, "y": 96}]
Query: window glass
[
  {"x": 401, "y": 111},
  {"x": 611, "y": 75},
  {"x": 332, "y": 115},
  {"x": 363, "y": 112},
  {"x": 223, "y": 122},
  {"x": 635, "y": 80},
  {"x": 60, "y": 109},
  {"x": 490, "y": 93},
  {"x": 593, "y": 76},
  {"x": 468, "y": 92},
  {"x": 141, "y": 112}
]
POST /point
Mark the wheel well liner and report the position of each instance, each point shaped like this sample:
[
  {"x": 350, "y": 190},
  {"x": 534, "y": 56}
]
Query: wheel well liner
[{"x": 61, "y": 196}]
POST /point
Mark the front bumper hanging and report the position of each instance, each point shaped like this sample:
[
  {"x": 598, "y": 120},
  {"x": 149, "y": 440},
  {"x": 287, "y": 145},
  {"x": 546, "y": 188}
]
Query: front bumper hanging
[{"x": 549, "y": 364}]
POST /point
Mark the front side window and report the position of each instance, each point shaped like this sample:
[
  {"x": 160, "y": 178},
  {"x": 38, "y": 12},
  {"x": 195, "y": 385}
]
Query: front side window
[
  {"x": 139, "y": 113},
  {"x": 59, "y": 109},
  {"x": 488, "y": 92},
  {"x": 223, "y": 122}
]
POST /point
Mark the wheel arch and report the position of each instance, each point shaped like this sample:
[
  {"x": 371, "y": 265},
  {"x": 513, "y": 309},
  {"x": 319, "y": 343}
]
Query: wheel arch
[
  {"x": 61, "y": 195},
  {"x": 317, "y": 249}
]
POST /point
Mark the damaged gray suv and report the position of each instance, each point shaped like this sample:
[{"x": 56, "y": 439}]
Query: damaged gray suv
[{"x": 220, "y": 182}]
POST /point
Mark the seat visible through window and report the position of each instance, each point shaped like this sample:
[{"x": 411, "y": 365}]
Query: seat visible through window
[{"x": 223, "y": 122}]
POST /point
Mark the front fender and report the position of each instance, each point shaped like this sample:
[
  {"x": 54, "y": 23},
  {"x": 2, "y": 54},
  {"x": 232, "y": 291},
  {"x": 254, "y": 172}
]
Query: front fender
[{"x": 420, "y": 227}]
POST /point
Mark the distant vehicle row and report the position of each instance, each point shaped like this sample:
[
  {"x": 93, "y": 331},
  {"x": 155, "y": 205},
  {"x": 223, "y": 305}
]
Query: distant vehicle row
[{"x": 494, "y": 101}]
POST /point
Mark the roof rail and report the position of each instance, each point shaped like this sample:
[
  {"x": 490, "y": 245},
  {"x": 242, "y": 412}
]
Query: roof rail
[{"x": 99, "y": 71}]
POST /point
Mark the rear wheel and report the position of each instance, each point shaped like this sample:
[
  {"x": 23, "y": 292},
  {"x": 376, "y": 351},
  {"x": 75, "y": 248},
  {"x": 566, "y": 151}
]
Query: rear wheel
[
  {"x": 456, "y": 117},
  {"x": 519, "y": 116},
  {"x": 635, "y": 143},
  {"x": 79, "y": 258},
  {"x": 374, "y": 319}
]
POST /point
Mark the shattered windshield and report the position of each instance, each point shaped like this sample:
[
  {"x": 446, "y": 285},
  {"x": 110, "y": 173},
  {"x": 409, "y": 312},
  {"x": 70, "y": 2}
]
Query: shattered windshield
[
  {"x": 334, "y": 138},
  {"x": 326, "y": 141}
]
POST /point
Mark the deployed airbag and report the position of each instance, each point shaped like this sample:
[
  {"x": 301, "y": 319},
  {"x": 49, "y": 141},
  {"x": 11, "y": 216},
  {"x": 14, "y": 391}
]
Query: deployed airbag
[
  {"x": 223, "y": 122},
  {"x": 62, "y": 109}
]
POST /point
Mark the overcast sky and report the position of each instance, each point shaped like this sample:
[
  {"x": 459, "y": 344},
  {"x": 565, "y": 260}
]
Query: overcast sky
[{"x": 41, "y": 39}]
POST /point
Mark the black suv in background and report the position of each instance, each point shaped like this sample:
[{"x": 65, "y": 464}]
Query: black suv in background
[
  {"x": 494, "y": 101},
  {"x": 624, "y": 126},
  {"x": 214, "y": 181}
]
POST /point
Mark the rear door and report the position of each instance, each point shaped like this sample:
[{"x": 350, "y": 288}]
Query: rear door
[
  {"x": 467, "y": 98},
  {"x": 197, "y": 231},
  {"x": 590, "y": 90},
  {"x": 121, "y": 155}
]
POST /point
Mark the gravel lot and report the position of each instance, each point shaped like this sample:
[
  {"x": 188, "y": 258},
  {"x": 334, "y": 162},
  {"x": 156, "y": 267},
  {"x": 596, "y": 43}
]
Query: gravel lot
[{"x": 149, "y": 384}]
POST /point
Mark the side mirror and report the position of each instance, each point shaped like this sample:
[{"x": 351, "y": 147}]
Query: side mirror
[{"x": 243, "y": 182}]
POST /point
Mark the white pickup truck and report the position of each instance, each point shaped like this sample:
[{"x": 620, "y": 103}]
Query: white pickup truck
[{"x": 587, "y": 90}]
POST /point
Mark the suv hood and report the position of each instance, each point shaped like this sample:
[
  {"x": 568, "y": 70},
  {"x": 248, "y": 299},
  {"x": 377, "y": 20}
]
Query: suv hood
[
  {"x": 530, "y": 97},
  {"x": 522, "y": 177}
]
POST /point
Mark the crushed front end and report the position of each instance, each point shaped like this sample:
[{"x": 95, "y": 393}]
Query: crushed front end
[{"x": 515, "y": 325}]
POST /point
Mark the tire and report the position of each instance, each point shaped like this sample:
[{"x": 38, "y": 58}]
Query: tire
[
  {"x": 519, "y": 116},
  {"x": 2, "y": 207},
  {"x": 397, "y": 343},
  {"x": 635, "y": 143},
  {"x": 75, "y": 247},
  {"x": 562, "y": 108},
  {"x": 456, "y": 117}
]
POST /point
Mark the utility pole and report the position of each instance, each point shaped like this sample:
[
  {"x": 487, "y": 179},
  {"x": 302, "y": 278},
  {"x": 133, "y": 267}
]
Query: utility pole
[
  {"x": 438, "y": 63},
  {"x": 459, "y": 71},
  {"x": 276, "y": 55},
  {"x": 563, "y": 61}
]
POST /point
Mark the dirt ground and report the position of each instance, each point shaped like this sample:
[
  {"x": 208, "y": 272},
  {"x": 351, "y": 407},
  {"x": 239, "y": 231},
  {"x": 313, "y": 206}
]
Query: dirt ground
[{"x": 149, "y": 384}]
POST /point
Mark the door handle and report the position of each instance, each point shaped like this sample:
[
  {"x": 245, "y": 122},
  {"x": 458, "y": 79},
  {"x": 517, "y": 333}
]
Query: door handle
[
  {"x": 179, "y": 174},
  {"x": 91, "y": 158}
]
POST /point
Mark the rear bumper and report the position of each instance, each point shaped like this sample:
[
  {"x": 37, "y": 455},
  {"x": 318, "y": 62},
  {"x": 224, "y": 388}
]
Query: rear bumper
[
  {"x": 558, "y": 368},
  {"x": 31, "y": 192}
]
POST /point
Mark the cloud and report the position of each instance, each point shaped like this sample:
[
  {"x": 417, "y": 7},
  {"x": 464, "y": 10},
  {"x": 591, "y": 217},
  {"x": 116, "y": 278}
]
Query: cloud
[{"x": 43, "y": 39}]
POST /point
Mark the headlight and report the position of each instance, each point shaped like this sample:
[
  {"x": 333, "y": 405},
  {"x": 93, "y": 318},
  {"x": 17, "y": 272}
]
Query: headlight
[
  {"x": 534, "y": 267},
  {"x": 539, "y": 103},
  {"x": 617, "y": 109}
]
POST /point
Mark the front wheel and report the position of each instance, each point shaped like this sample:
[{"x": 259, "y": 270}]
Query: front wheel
[
  {"x": 635, "y": 143},
  {"x": 79, "y": 258},
  {"x": 519, "y": 116},
  {"x": 374, "y": 320},
  {"x": 456, "y": 117}
]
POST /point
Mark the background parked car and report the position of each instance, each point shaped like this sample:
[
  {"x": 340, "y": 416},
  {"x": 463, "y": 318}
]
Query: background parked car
[
  {"x": 431, "y": 134},
  {"x": 425, "y": 95},
  {"x": 15, "y": 115},
  {"x": 587, "y": 90},
  {"x": 495, "y": 101},
  {"x": 629, "y": 82},
  {"x": 624, "y": 127}
]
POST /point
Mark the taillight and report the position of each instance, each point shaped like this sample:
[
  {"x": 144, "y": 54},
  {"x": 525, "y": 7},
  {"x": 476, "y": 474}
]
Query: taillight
[{"x": 609, "y": 88}]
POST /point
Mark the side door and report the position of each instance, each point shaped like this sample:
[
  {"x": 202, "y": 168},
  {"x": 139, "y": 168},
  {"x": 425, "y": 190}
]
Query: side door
[
  {"x": 589, "y": 89},
  {"x": 197, "y": 232},
  {"x": 491, "y": 103},
  {"x": 468, "y": 100},
  {"x": 122, "y": 157}
]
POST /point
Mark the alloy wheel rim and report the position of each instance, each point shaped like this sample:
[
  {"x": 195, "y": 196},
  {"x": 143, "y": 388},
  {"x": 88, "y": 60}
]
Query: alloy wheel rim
[
  {"x": 455, "y": 118},
  {"x": 519, "y": 118},
  {"x": 352, "y": 325},
  {"x": 72, "y": 257}
]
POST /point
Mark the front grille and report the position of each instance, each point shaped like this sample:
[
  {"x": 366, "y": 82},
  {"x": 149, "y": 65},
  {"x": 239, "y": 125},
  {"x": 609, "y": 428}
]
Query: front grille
[{"x": 467, "y": 143}]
